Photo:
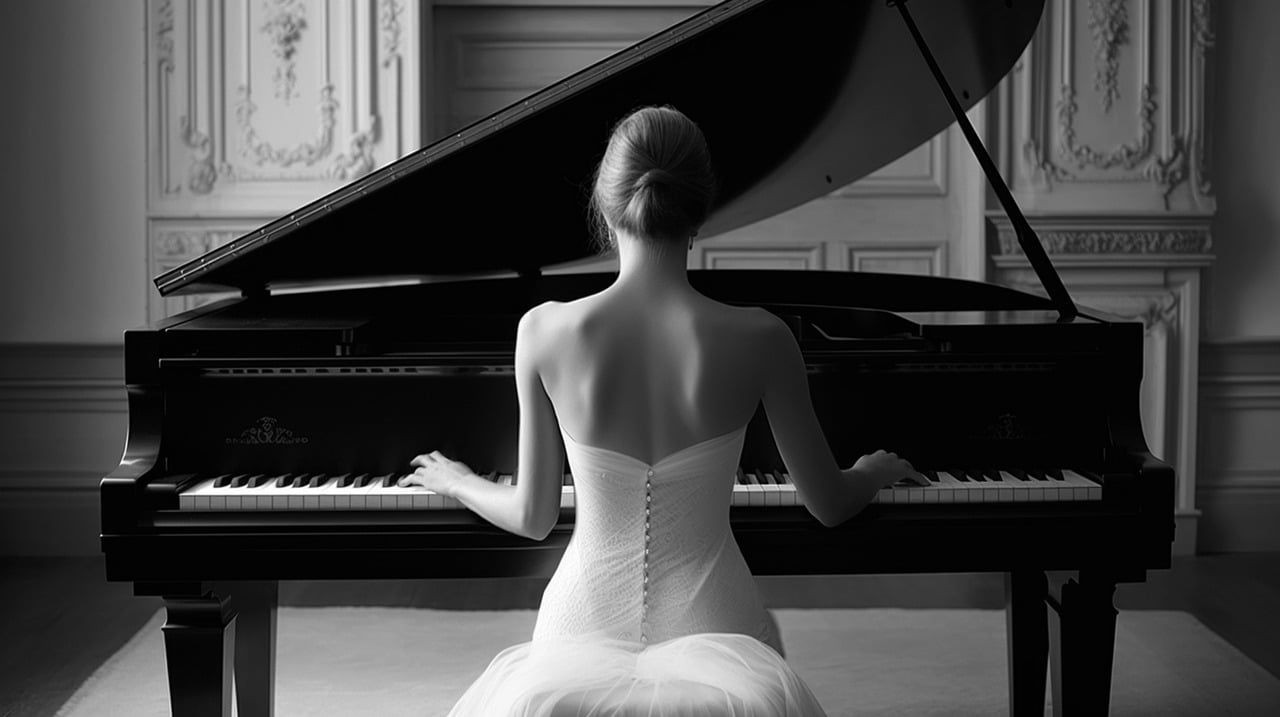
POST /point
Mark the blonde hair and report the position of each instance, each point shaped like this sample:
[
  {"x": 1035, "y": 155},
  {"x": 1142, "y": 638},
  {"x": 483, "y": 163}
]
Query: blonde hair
[{"x": 655, "y": 180}]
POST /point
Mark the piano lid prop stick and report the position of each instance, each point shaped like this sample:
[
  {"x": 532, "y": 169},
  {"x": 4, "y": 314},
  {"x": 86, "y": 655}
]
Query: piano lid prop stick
[{"x": 1027, "y": 238}]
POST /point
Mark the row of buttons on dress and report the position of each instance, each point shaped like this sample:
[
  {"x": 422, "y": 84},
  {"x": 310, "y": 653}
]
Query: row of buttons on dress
[{"x": 644, "y": 587}]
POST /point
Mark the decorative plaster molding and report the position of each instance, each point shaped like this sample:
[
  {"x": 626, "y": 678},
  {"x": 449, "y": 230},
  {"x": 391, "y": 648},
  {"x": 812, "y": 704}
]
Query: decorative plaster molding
[
  {"x": 1202, "y": 40},
  {"x": 1202, "y": 36},
  {"x": 357, "y": 161},
  {"x": 389, "y": 12},
  {"x": 1108, "y": 241},
  {"x": 164, "y": 78},
  {"x": 1043, "y": 171},
  {"x": 201, "y": 175},
  {"x": 286, "y": 19},
  {"x": 1126, "y": 155},
  {"x": 1169, "y": 172},
  {"x": 262, "y": 152},
  {"x": 171, "y": 247},
  {"x": 1109, "y": 23}
]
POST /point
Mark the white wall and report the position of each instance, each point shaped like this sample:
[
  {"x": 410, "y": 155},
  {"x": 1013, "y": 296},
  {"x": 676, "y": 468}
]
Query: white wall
[
  {"x": 1244, "y": 283},
  {"x": 72, "y": 259},
  {"x": 72, "y": 203}
]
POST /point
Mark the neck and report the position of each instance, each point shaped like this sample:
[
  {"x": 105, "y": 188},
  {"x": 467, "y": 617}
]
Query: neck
[{"x": 654, "y": 266}]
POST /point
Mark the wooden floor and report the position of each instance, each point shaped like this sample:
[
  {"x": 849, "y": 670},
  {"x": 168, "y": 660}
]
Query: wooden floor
[{"x": 62, "y": 619}]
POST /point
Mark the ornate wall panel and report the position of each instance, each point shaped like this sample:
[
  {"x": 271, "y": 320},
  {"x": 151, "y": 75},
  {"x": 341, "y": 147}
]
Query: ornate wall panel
[
  {"x": 1107, "y": 108},
  {"x": 256, "y": 107},
  {"x": 262, "y": 105}
]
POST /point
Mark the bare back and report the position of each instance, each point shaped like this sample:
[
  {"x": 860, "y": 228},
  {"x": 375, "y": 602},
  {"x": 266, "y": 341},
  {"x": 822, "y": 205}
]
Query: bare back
[{"x": 649, "y": 379}]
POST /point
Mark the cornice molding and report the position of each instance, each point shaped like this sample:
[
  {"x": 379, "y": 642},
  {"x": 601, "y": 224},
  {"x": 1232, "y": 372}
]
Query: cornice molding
[{"x": 1100, "y": 235}]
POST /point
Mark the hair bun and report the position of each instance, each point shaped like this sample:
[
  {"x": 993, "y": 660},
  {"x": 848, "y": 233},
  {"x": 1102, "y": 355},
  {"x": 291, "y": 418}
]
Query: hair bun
[
  {"x": 650, "y": 148},
  {"x": 655, "y": 177}
]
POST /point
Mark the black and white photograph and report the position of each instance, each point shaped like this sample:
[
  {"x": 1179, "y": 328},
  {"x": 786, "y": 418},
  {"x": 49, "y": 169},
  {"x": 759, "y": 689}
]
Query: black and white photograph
[{"x": 640, "y": 358}]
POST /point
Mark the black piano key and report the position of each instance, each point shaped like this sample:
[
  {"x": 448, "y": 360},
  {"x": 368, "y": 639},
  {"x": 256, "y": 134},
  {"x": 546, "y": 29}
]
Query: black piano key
[
  {"x": 1017, "y": 473},
  {"x": 259, "y": 480},
  {"x": 223, "y": 480},
  {"x": 300, "y": 480},
  {"x": 568, "y": 479},
  {"x": 959, "y": 475},
  {"x": 346, "y": 479},
  {"x": 283, "y": 479},
  {"x": 491, "y": 476},
  {"x": 766, "y": 477},
  {"x": 1055, "y": 473},
  {"x": 992, "y": 475},
  {"x": 1036, "y": 474},
  {"x": 741, "y": 478},
  {"x": 932, "y": 476},
  {"x": 364, "y": 480},
  {"x": 318, "y": 480},
  {"x": 389, "y": 479},
  {"x": 240, "y": 481}
]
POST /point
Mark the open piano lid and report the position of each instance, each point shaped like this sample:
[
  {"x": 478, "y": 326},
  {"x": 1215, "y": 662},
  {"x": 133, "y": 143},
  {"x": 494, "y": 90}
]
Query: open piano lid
[{"x": 795, "y": 97}]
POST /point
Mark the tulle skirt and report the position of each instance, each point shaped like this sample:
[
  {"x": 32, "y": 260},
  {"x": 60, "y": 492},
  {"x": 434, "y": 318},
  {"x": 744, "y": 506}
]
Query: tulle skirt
[{"x": 700, "y": 675}]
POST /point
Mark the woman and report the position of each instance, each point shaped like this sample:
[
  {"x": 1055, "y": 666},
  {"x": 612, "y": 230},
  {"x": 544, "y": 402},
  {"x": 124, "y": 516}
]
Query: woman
[{"x": 650, "y": 386}]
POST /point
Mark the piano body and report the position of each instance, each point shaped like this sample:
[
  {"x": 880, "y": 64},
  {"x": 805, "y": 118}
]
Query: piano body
[{"x": 266, "y": 430}]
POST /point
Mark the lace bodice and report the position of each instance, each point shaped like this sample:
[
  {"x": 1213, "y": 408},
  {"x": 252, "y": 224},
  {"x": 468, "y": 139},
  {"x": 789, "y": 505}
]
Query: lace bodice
[{"x": 652, "y": 556}]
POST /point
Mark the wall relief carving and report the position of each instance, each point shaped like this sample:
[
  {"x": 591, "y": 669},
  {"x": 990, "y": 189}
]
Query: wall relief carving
[
  {"x": 1109, "y": 24},
  {"x": 286, "y": 19},
  {"x": 1102, "y": 241},
  {"x": 262, "y": 152},
  {"x": 389, "y": 15}
]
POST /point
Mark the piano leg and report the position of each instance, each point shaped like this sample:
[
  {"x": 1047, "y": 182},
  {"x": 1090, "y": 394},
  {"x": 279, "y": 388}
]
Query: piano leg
[
  {"x": 199, "y": 641},
  {"x": 1081, "y": 643},
  {"x": 1027, "y": 635},
  {"x": 255, "y": 604}
]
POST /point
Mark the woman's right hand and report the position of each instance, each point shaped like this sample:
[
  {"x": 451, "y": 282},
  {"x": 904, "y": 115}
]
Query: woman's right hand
[{"x": 886, "y": 469}]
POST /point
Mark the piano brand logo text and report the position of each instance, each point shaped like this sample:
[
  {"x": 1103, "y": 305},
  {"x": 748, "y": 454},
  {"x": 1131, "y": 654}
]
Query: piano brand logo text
[{"x": 267, "y": 431}]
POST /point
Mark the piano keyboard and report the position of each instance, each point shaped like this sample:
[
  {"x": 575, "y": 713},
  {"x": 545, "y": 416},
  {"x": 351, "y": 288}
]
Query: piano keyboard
[{"x": 319, "y": 491}]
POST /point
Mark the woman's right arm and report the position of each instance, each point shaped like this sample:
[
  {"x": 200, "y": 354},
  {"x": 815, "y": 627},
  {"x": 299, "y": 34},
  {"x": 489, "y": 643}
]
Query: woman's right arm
[{"x": 830, "y": 494}]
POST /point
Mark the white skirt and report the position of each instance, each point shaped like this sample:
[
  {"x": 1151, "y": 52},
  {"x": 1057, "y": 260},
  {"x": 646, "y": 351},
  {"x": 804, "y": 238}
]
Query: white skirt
[{"x": 699, "y": 675}]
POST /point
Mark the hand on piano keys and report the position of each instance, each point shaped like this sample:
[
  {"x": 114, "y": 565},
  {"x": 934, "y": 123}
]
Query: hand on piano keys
[
  {"x": 888, "y": 469},
  {"x": 435, "y": 472},
  {"x": 752, "y": 488}
]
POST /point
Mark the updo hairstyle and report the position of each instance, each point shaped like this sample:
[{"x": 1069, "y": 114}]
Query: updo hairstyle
[{"x": 655, "y": 180}]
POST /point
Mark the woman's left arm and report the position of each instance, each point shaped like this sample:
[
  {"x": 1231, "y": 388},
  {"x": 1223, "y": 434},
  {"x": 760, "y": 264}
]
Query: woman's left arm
[{"x": 531, "y": 507}]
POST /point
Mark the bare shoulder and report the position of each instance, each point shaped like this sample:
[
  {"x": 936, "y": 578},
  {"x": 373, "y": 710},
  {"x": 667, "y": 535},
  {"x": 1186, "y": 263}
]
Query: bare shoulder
[
  {"x": 758, "y": 326},
  {"x": 538, "y": 324}
]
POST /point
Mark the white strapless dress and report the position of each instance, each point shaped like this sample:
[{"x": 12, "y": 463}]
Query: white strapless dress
[{"x": 652, "y": 610}]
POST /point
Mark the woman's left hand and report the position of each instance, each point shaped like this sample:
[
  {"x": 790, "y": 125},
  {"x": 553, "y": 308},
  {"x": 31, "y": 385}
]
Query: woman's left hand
[{"x": 436, "y": 473}]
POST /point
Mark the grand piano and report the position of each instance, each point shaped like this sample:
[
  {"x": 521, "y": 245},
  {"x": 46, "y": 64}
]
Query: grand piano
[{"x": 266, "y": 430}]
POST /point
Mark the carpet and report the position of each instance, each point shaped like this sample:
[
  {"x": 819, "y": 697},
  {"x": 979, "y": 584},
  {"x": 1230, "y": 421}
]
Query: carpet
[{"x": 403, "y": 661}]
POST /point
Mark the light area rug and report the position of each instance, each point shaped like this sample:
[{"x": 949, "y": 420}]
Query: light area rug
[{"x": 404, "y": 661}]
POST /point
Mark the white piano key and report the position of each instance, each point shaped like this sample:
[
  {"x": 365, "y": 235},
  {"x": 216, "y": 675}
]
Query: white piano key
[
  {"x": 948, "y": 488},
  {"x": 1082, "y": 488},
  {"x": 755, "y": 491}
]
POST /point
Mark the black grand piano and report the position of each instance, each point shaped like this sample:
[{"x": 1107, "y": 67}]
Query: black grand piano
[{"x": 266, "y": 431}]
